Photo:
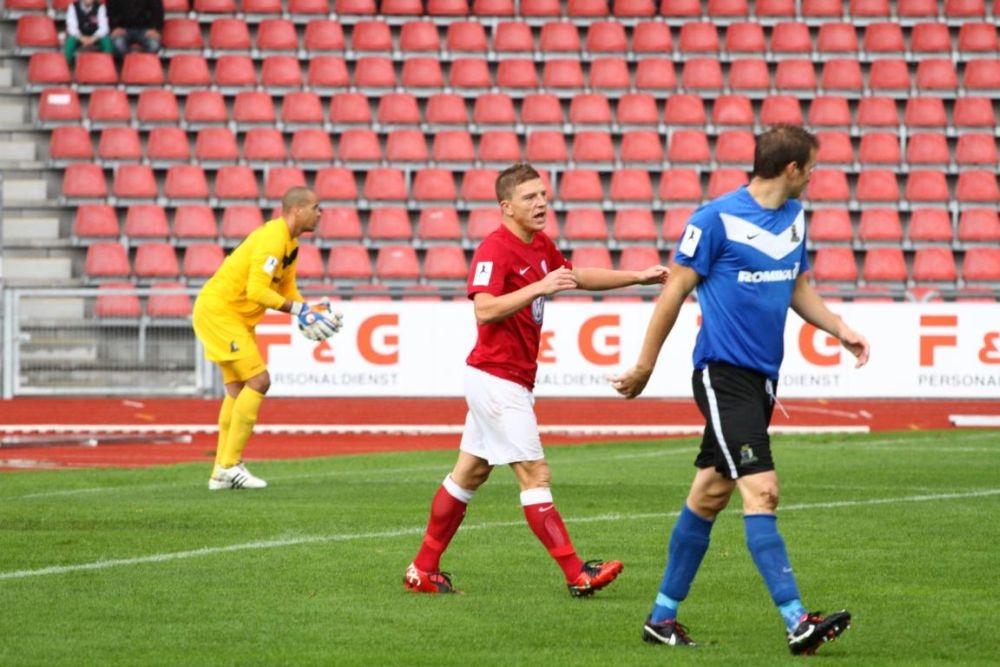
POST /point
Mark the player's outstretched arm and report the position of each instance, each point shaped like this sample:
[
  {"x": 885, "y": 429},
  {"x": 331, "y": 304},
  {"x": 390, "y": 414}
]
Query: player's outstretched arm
[
  {"x": 491, "y": 308},
  {"x": 632, "y": 382},
  {"x": 595, "y": 279},
  {"x": 809, "y": 305}
]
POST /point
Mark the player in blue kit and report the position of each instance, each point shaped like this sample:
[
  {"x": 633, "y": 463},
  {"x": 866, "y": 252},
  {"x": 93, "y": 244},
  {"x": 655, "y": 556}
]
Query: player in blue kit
[{"x": 745, "y": 253}]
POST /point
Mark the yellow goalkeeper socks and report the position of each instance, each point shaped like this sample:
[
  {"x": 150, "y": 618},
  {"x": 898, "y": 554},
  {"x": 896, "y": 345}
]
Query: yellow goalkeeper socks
[
  {"x": 225, "y": 417},
  {"x": 245, "y": 409}
]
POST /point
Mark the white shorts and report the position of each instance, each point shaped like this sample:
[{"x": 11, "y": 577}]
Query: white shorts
[{"x": 500, "y": 426}]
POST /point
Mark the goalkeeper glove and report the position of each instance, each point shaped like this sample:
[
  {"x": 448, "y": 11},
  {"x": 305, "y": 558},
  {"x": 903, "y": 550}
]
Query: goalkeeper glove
[{"x": 317, "y": 322}]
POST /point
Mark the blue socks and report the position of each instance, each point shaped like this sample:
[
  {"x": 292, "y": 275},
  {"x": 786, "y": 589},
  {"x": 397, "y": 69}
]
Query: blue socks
[
  {"x": 688, "y": 544},
  {"x": 768, "y": 551}
]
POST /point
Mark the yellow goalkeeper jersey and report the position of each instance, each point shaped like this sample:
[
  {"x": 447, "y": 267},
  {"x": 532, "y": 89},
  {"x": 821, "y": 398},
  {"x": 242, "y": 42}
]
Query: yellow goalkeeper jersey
[{"x": 258, "y": 274}]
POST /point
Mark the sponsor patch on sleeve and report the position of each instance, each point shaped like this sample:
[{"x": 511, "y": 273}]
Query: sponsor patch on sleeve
[
  {"x": 689, "y": 243},
  {"x": 483, "y": 272},
  {"x": 270, "y": 264}
]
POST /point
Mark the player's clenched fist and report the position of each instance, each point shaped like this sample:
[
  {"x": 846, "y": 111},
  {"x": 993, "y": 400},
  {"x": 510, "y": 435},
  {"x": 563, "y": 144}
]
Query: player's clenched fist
[{"x": 317, "y": 322}]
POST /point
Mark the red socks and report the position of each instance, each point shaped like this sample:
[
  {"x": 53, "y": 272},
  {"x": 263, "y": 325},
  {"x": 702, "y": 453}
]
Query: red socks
[
  {"x": 547, "y": 525},
  {"x": 447, "y": 513}
]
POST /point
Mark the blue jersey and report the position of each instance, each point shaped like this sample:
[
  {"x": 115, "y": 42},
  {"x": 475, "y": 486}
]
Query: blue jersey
[{"x": 748, "y": 258}]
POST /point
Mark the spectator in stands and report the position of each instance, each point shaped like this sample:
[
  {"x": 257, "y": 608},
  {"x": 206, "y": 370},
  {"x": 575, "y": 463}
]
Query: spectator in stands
[
  {"x": 746, "y": 254},
  {"x": 135, "y": 22},
  {"x": 86, "y": 28},
  {"x": 259, "y": 274},
  {"x": 513, "y": 270}
]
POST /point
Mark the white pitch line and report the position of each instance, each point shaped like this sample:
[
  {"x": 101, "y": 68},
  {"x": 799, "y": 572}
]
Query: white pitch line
[{"x": 405, "y": 532}]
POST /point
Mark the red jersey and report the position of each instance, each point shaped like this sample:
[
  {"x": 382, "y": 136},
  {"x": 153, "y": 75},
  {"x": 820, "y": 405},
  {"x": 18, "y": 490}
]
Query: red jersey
[{"x": 502, "y": 264}]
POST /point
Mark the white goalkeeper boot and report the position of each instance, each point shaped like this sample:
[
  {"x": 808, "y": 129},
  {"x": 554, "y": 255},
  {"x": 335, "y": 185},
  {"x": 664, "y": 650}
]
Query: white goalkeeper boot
[{"x": 235, "y": 477}]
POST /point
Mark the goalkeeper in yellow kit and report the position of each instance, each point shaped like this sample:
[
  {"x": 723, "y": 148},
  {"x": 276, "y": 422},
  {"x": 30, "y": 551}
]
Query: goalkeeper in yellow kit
[{"x": 259, "y": 274}]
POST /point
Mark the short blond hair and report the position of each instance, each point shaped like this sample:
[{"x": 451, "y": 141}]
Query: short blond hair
[{"x": 513, "y": 176}]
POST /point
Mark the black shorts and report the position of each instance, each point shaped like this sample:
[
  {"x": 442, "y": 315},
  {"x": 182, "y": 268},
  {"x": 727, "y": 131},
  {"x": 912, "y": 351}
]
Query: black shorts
[{"x": 737, "y": 404}]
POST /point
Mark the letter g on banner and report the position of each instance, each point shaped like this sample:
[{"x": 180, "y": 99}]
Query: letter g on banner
[
  {"x": 379, "y": 348},
  {"x": 588, "y": 340}
]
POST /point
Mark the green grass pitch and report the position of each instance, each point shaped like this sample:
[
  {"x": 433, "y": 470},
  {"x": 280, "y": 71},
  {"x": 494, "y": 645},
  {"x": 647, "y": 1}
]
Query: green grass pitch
[{"x": 146, "y": 567}]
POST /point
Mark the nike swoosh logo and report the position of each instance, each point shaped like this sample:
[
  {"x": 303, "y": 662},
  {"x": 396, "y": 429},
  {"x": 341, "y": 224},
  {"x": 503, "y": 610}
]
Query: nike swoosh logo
[
  {"x": 752, "y": 236},
  {"x": 545, "y": 509},
  {"x": 524, "y": 270}
]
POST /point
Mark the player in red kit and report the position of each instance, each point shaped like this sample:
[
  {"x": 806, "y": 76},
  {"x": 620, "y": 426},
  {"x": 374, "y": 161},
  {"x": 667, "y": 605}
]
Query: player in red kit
[{"x": 513, "y": 270}]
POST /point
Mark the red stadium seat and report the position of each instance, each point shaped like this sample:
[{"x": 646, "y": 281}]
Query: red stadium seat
[
  {"x": 155, "y": 106},
  {"x": 389, "y": 224},
  {"x": 674, "y": 222},
  {"x": 215, "y": 6},
  {"x": 205, "y": 107},
  {"x": 834, "y": 264},
  {"x": 750, "y": 76},
  {"x": 185, "y": 182},
  {"x": 593, "y": 256},
  {"x": 114, "y": 301},
  {"x": 327, "y": 74},
  {"x": 877, "y": 186},
  {"x": 493, "y": 7},
  {"x": 61, "y": 105},
  {"x": 680, "y": 186},
  {"x": 580, "y": 185},
  {"x": 235, "y": 184},
  {"x": 771, "y": 10},
  {"x": 590, "y": 109},
  {"x": 280, "y": 73},
  {"x": 301, "y": 109},
  {"x": 973, "y": 113},
  {"x": 634, "y": 225},
  {"x": 146, "y": 222},
  {"x": 884, "y": 39},
  {"x": 374, "y": 75},
  {"x": 606, "y": 37},
  {"x": 651, "y": 38},
  {"x": 685, "y": 110},
  {"x": 349, "y": 263},
  {"x": 35, "y": 32},
  {"x": 790, "y": 39},
  {"x": 702, "y": 75},
  {"x": 926, "y": 187},
  {"x": 257, "y": 10},
  {"x": 981, "y": 76},
  {"x": 978, "y": 38},
  {"x": 280, "y": 180},
  {"x": 141, "y": 69},
  {"x": 323, "y": 35},
  {"x": 981, "y": 265},
  {"x": 134, "y": 182},
  {"x": 630, "y": 185},
  {"x": 466, "y": 37},
  {"x": 641, "y": 146},
  {"x": 359, "y": 148},
  {"x": 879, "y": 148},
  {"x": 889, "y": 77},
  {"x": 216, "y": 146},
  {"x": 829, "y": 111},
  {"x": 633, "y": 8},
  {"x": 880, "y": 225},
  {"x": 547, "y": 147},
  {"x": 978, "y": 225},
  {"x": 84, "y": 182},
  {"x": 71, "y": 143},
  {"x": 454, "y": 147},
  {"x": 347, "y": 109},
  {"x": 398, "y": 110},
  {"x": 46, "y": 69},
  {"x": 977, "y": 187},
  {"x": 156, "y": 261},
  {"x": 489, "y": 109},
  {"x": 977, "y": 149},
  {"x": 688, "y": 146},
  {"x": 745, "y": 39},
  {"x": 238, "y": 221},
  {"x": 934, "y": 264},
  {"x": 931, "y": 38},
  {"x": 835, "y": 149},
  {"x": 478, "y": 186},
  {"x": 182, "y": 34},
  {"x": 306, "y": 7},
  {"x": 930, "y": 225},
  {"x": 733, "y": 111},
  {"x": 235, "y": 72},
  {"x": 194, "y": 222},
  {"x": 94, "y": 69},
  {"x": 559, "y": 38},
  {"x": 831, "y": 226},
  {"x": 512, "y": 37},
  {"x": 371, "y": 37},
  {"x": 735, "y": 147},
  {"x": 656, "y": 76},
  {"x": 842, "y": 76},
  {"x": 780, "y": 109},
  {"x": 721, "y": 181},
  {"x": 609, "y": 74},
  {"x": 925, "y": 112},
  {"x": 397, "y": 263},
  {"x": 828, "y": 186},
  {"x": 335, "y": 183},
  {"x": 837, "y": 39},
  {"x": 680, "y": 9},
  {"x": 822, "y": 9},
  {"x": 925, "y": 149},
  {"x": 869, "y": 10},
  {"x": 106, "y": 260},
  {"x": 187, "y": 72},
  {"x": 264, "y": 144},
  {"x": 877, "y": 112},
  {"x": 698, "y": 38},
  {"x": 541, "y": 109},
  {"x": 438, "y": 225},
  {"x": 884, "y": 265},
  {"x": 228, "y": 34},
  {"x": 276, "y": 35},
  {"x": 637, "y": 110},
  {"x": 795, "y": 76},
  {"x": 94, "y": 222},
  {"x": 385, "y": 184},
  {"x": 499, "y": 148},
  {"x": 201, "y": 261},
  {"x": 445, "y": 263},
  {"x": 339, "y": 224},
  {"x": 469, "y": 74},
  {"x": 482, "y": 222},
  {"x": 936, "y": 75},
  {"x": 448, "y": 109},
  {"x": 119, "y": 144},
  {"x": 563, "y": 75},
  {"x": 406, "y": 146}
]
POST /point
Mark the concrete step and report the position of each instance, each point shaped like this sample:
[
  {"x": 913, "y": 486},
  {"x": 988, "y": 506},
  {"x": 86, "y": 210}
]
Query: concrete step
[
  {"x": 24, "y": 189},
  {"x": 48, "y": 307},
  {"x": 18, "y": 151},
  {"x": 29, "y": 229},
  {"x": 37, "y": 270}
]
